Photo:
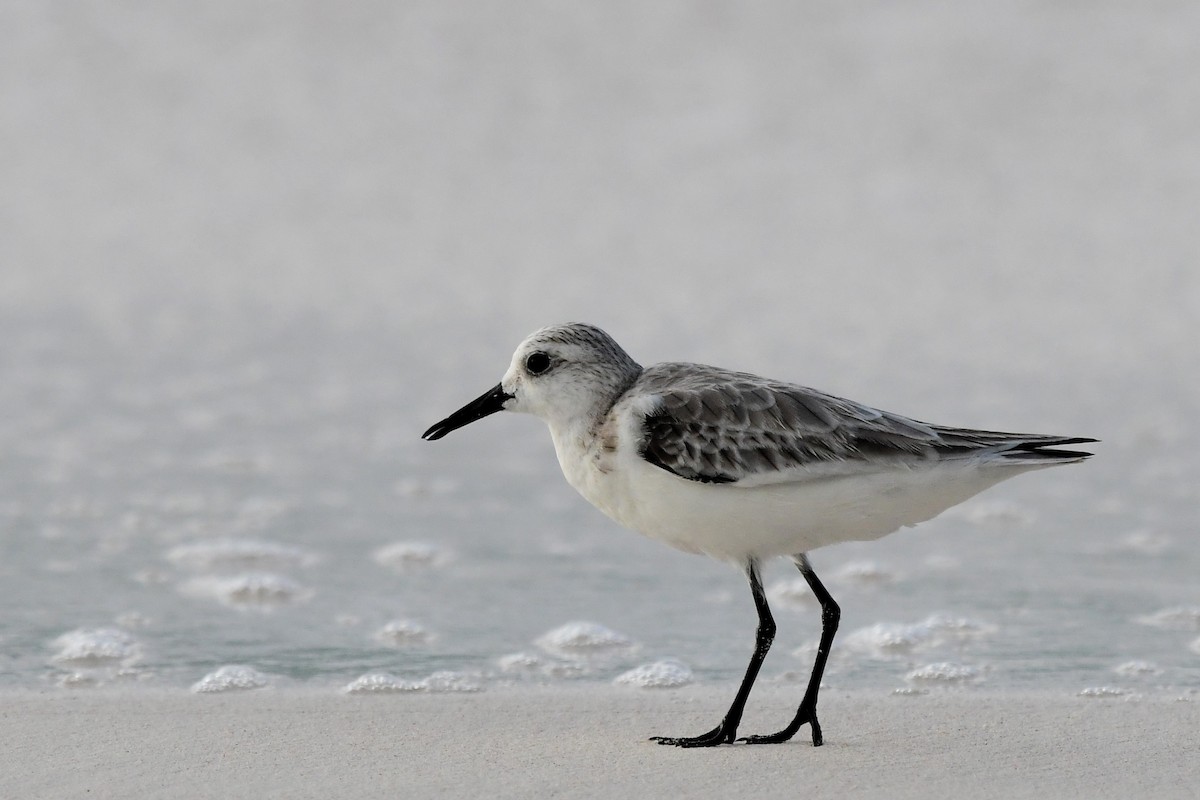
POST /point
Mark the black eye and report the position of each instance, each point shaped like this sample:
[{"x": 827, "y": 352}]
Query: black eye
[{"x": 537, "y": 363}]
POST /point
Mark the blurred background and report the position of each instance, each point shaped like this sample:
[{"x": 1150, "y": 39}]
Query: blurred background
[{"x": 249, "y": 251}]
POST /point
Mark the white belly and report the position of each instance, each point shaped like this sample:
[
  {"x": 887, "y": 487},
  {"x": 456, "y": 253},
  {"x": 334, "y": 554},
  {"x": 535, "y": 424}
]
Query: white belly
[{"x": 737, "y": 523}]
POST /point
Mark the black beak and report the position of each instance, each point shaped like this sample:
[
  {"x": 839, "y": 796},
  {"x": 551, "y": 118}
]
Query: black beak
[{"x": 489, "y": 402}]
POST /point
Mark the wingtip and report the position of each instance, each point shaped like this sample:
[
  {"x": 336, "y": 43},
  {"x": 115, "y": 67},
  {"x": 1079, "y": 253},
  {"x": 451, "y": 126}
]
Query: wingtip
[{"x": 1046, "y": 450}]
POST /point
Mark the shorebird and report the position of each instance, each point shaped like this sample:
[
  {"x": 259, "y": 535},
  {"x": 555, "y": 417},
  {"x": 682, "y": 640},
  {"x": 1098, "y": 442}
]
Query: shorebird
[{"x": 743, "y": 469}]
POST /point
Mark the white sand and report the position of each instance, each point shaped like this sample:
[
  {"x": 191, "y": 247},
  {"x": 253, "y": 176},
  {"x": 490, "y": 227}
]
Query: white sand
[{"x": 589, "y": 742}]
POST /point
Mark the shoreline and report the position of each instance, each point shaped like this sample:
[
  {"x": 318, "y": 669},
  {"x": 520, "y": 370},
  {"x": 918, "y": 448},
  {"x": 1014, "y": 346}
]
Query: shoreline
[{"x": 589, "y": 742}]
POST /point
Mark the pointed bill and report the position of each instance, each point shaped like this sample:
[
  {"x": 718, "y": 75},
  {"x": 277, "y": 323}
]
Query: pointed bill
[{"x": 488, "y": 403}]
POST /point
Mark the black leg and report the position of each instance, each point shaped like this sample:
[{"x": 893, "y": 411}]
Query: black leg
[
  {"x": 807, "y": 713},
  {"x": 727, "y": 730}
]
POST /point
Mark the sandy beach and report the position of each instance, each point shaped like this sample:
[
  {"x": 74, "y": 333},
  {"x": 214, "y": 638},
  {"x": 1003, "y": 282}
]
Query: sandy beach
[
  {"x": 250, "y": 251},
  {"x": 589, "y": 742}
]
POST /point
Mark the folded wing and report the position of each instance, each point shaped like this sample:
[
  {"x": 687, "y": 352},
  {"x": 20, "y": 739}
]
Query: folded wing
[{"x": 715, "y": 426}]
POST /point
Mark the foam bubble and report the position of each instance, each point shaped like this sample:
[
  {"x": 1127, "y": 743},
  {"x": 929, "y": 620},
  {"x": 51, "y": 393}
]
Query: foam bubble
[
  {"x": 1101, "y": 692},
  {"x": 253, "y": 590},
  {"x": 381, "y": 683},
  {"x": 95, "y": 648},
  {"x": 583, "y": 638},
  {"x": 231, "y": 678},
  {"x": 521, "y": 663},
  {"x": 1176, "y": 618},
  {"x": 943, "y": 673},
  {"x": 448, "y": 681},
  {"x": 668, "y": 673},
  {"x": 443, "y": 682},
  {"x": 402, "y": 633},
  {"x": 409, "y": 556},
  {"x": 238, "y": 554},
  {"x": 885, "y": 639}
]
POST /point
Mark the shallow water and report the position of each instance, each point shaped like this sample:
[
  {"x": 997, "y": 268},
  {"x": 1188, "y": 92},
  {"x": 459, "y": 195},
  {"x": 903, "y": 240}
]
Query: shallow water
[
  {"x": 196, "y": 512},
  {"x": 219, "y": 350}
]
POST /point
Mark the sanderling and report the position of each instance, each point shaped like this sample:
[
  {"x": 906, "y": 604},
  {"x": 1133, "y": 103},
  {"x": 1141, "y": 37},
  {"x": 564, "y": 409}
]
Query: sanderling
[{"x": 743, "y": 468}]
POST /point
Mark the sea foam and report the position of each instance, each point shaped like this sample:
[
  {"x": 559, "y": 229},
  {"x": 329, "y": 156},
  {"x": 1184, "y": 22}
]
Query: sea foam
[
  {"x": 668, "y": 673},
  {"x": 231, "y": 678}
]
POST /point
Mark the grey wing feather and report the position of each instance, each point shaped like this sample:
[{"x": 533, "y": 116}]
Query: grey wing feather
[{"x": 716, "y": 426}]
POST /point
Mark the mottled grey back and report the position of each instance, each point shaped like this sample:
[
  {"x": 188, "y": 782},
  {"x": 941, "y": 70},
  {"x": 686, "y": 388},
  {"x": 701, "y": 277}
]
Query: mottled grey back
[{"x": 717, "y": 426}]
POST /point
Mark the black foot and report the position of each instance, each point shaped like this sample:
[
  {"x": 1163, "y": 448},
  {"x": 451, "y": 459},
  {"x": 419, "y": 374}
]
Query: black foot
[
  {"x": 806, "y": 716},
  {"x": 716, "y": 736}
]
